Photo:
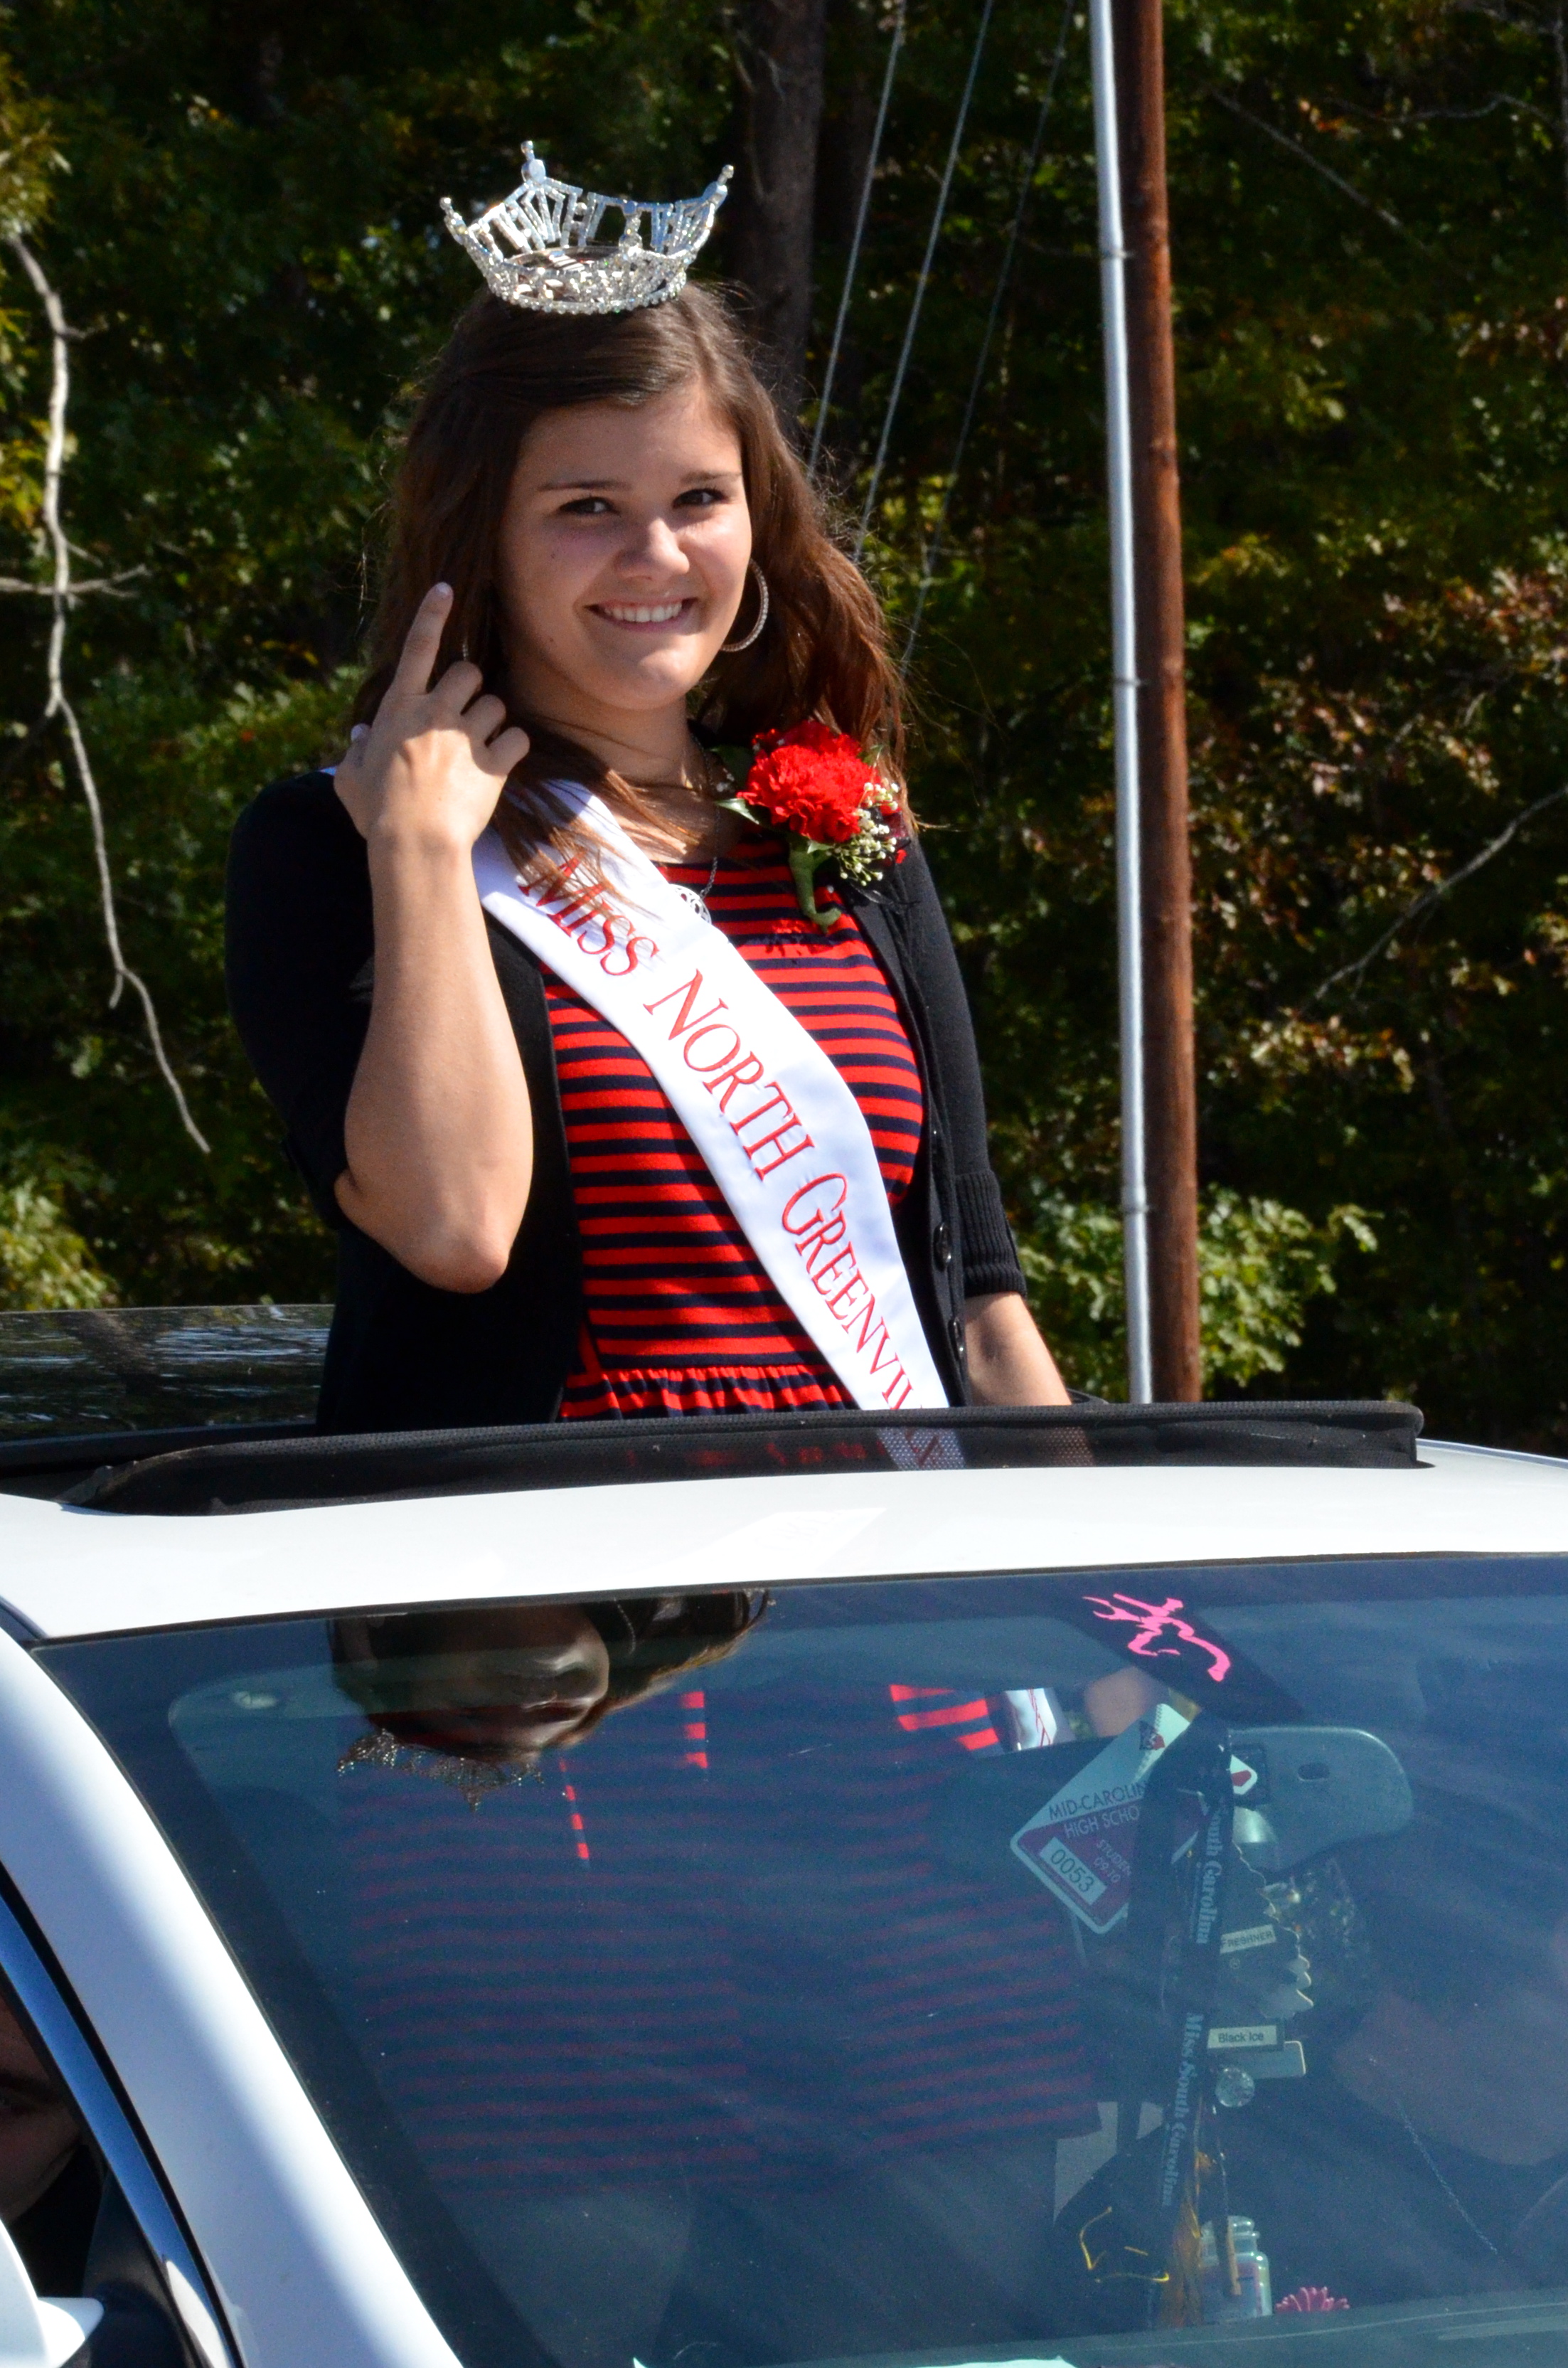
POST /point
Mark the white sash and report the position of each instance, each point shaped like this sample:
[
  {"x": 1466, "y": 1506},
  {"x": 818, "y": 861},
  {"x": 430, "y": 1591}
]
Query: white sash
[{"x": 783, "y": 1138}]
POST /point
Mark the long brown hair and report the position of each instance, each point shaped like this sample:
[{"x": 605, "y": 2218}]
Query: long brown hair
[{"x": 823, "y": 652}]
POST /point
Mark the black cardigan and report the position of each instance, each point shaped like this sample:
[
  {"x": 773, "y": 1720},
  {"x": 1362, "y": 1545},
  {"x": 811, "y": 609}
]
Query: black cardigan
[{"x": 405, "y": 1355}]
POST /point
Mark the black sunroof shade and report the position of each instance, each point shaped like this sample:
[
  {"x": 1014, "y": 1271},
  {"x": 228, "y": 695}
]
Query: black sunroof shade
[{"x": 241, "y": 1475}]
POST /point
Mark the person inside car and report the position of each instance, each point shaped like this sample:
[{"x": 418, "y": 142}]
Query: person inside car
[
  {"x": 50, "y": 2181},
  {"x": 1425, "y": 2151}
]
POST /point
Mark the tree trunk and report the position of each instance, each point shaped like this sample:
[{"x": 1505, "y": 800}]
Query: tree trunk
[
  {"x": 771, "y": 221},
  {"x": 1169, "y": 1084}
]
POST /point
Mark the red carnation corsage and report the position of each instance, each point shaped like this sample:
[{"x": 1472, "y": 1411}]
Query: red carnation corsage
[{"x": 826, "y": 798}]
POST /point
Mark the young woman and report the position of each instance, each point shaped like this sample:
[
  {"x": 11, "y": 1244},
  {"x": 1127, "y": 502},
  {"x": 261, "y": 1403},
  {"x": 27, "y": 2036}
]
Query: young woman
[{"x": 607, "y": 565}]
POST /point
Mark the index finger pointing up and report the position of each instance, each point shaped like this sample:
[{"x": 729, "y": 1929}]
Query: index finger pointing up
[{"x": 423, "y": 644}]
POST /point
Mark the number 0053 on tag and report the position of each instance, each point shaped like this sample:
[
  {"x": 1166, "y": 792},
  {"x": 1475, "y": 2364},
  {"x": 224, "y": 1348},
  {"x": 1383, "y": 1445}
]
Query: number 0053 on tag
[{"x": 1082, "y": 1843}]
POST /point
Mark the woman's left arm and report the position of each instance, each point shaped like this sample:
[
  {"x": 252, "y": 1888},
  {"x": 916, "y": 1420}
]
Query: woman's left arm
[{"x": 1008, "y": 1362}]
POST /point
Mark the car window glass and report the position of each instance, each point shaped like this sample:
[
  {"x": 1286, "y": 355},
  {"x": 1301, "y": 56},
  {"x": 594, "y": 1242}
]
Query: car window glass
[{"x": 1094, "y": 1964}]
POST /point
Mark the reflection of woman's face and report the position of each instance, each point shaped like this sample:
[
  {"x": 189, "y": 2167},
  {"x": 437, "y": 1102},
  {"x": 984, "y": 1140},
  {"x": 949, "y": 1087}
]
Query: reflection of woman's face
[{"x": 500, "y": 1687}]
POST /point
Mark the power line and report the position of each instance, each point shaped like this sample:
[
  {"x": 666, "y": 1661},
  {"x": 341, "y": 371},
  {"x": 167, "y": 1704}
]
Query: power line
[
  {"x": 895, "y": 44},
  {"x": 933, "y": 551},
  {"x": 897, "y": 388}
]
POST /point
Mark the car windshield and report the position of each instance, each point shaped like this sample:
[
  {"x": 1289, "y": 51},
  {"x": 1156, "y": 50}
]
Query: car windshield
[{"x": 1088, "y": 1967}]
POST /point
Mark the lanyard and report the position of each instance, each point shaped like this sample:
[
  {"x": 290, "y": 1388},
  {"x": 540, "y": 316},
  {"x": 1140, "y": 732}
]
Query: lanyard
[{"x": 1197, "y": 1763}]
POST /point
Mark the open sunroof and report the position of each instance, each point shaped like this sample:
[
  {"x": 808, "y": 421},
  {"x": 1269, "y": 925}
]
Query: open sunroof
[{"x": 209, "y": 1409}]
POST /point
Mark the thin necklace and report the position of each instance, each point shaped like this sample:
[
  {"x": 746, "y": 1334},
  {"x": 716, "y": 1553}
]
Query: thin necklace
[
  {"x": 1413, "y": 2135},
  {"x": 696, "y": 899}
]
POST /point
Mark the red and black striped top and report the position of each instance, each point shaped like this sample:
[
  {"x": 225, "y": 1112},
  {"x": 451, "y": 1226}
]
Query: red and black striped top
[{"x": 680, "y": 1315}]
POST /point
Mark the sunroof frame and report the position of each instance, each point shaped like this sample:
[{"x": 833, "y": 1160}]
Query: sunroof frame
[{"x": 251, "y": 1472}]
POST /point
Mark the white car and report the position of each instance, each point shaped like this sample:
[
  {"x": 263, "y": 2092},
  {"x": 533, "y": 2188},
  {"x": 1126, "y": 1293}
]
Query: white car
[{"x": 1084, "y": 1887}]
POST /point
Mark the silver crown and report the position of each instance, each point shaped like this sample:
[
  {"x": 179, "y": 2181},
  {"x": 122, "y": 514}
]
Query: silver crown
[{"x": 542, "y": 247}]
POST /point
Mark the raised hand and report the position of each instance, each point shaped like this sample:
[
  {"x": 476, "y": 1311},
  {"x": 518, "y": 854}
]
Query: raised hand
[{"x": 429, "y": 770}]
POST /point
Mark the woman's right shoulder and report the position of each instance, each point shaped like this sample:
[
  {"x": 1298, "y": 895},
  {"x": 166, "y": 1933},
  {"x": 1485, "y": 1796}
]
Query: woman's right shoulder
[
  {"x": 301, "y": 807},
  {"x": 298, "y": 828},
  {"x": 298, "y": 876}
]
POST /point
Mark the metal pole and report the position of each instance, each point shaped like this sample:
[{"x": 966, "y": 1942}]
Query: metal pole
[
  {"x": 1169, "y": 1082},
  {"x": 1124, "y": 709}
]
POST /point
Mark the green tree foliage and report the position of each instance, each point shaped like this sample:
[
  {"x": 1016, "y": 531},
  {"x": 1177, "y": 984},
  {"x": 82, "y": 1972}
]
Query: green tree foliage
[
  {"x": 43, "y": 1262},
  {"x": 1259, "y": 1264},
  {"x": 28, "y": 156},
  {"x": 1369, "y": 203}
]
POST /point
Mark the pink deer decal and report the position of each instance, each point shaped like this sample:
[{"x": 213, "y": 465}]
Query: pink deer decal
[{"x": 1152, "y": 1620}]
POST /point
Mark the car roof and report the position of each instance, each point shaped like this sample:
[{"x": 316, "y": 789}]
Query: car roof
[{"x": 66, "y": 1571}]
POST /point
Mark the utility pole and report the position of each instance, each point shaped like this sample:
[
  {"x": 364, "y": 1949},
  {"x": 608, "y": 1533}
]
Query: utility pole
[
  {"x": 1123, "y": 700},
  {"x": 780, "y": 66},
  {"x": 1170, "y": 1081}
]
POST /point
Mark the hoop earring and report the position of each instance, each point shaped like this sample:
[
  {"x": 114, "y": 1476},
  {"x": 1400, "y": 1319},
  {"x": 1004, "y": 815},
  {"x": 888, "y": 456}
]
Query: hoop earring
[{"x": 727, "y": 649}]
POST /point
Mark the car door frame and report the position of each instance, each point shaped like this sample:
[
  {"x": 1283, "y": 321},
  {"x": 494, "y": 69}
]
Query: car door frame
[
  {"x": 296, "y": 2269},
  {"x": 56, "y": 2021}
]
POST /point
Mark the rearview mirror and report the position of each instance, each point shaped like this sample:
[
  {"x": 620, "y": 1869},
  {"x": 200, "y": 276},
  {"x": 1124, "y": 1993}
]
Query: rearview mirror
[{"x": 1318, "y": 1786}]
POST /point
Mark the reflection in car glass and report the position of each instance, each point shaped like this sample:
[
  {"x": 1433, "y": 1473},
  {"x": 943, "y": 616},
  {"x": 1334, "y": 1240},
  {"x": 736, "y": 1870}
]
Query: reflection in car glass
[{"x": 1089, "y": 1967}]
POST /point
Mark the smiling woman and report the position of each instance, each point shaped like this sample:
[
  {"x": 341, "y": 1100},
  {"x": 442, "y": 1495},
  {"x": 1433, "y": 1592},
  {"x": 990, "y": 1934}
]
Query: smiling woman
[{"x": 618, "y": 1108}]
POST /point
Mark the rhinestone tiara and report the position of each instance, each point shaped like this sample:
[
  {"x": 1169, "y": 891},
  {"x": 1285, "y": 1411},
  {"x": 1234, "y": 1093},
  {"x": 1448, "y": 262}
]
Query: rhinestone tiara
[{"x": 542, "y": 247}]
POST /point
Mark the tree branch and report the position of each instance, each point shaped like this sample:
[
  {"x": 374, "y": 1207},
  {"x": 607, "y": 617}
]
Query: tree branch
[
  {"x": 1385, "y": 122},
  {"x": 110, "y": 584},
  {"x": 1559, "y": 38},
  {"x": 60, "y": 593},
  {"x": 1523, "y": 19},
  {"x": 1434, "y": 895},
  {"x": 1336, "y": 181},
  {"x": 1553, "y": 28}
]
